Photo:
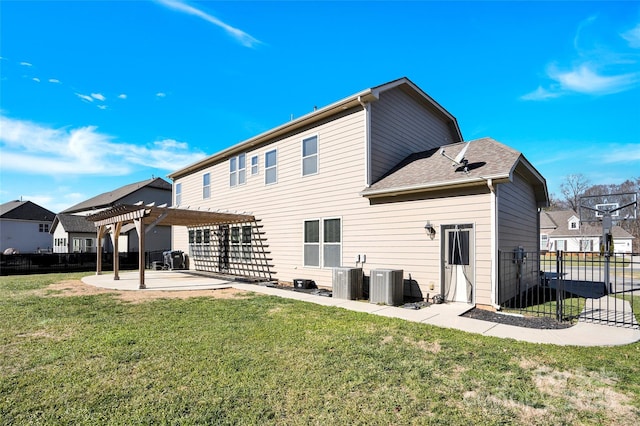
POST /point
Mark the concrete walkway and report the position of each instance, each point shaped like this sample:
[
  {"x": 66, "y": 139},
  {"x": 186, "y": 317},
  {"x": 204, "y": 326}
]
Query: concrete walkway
[{"x": 445, "y": 315}]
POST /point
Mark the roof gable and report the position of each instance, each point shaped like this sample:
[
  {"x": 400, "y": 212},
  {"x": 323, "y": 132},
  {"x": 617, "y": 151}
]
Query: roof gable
[
  {"x": 112, "y": 198},
  {"x": 25, "y": 210},
  {"x": 73, "y": 223}
]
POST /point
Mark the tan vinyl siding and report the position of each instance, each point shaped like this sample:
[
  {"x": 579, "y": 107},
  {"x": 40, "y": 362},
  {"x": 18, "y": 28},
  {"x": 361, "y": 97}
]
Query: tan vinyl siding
[
  {"x": 400, "y": 126},
  {"x": 517, "y": 227},
  {"x": 284, "y": 206},
  {"x": 390, "y": 234}
]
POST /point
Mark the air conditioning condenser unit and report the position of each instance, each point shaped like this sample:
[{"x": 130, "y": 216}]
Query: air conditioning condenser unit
[
  {"x": 386, "y": 286},
  {"x": 347, "y": 283}
]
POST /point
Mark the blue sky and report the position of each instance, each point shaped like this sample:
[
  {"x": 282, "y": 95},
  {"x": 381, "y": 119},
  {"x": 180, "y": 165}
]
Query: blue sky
[{"x": 95, "y": 95}]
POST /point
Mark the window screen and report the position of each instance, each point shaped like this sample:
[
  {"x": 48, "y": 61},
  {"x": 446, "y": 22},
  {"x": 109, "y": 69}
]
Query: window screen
[{"x": 459, "y": 248}]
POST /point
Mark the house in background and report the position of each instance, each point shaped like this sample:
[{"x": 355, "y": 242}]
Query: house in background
[
  {"x": 75, "y": 234},
  {"x": 562, "y": 230},
  {"x": 72, "y": 233},
  {"x": 364, "y": 183},
  {"x": 24, "y": 227}
]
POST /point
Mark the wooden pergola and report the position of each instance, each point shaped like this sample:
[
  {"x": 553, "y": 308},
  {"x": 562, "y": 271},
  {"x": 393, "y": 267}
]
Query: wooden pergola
[{"x": 145, "y": 218}]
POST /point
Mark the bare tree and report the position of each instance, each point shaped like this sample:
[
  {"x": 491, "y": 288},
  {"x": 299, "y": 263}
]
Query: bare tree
[
  {"x": 556, "y": 203},
  {"x": 631, "y": 226},
  {"x": 572, "y": 188}
]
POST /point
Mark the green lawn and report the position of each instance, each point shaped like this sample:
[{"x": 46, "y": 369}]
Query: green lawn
[{"x": 265, "y": 360}]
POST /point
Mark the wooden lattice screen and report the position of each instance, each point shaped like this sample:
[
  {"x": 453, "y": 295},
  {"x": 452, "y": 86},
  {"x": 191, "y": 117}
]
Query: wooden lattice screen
[{"x": 238, "y": 249}]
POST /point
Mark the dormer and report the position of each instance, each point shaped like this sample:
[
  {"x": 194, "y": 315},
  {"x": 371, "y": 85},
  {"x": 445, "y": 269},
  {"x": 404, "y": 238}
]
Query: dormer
[{"x": 573, "y": 223}]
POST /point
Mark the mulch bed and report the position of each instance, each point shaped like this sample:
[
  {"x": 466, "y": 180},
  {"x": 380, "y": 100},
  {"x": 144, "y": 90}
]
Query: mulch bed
[
  {"x": 481, "y": 314},
  {"x": 546, "y": 323}
]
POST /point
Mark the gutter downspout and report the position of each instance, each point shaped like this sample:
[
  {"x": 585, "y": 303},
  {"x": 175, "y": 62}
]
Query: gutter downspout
[
  {"x": 494, "y": 239},
  {"x": 367, "y": 141}
]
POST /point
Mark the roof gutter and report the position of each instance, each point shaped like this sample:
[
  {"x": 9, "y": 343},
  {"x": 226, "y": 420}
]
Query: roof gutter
[{"x": 436, "y": 186}]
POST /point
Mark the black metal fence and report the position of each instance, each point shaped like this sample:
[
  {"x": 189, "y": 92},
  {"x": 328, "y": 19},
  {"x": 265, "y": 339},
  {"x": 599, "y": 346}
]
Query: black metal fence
[
  {"x": 31, "y": 263},
  {"x": 572, "y": 286}
]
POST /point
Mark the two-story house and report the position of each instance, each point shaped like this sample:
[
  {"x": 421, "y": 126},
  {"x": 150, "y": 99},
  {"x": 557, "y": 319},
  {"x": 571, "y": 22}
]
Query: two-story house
[
  {"x": 24, "y": 227},
  {"x": 369, "y": 181}
]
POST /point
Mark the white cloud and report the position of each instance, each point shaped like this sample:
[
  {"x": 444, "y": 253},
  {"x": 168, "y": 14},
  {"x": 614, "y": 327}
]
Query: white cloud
[
  {"x": 98, "y": 96},
  {"x": 122, "y": 96},
  {"x": 621, "y": 153},
  {"x": 54, "y": 80},
  {"x": 597, "y": 69},
  {"x": 31, "y": 148},
  {"x": 242, "y": 37},
  {"x": 86, "y": 98},
  {"x": 539, "y": 94},
  {"x": 633, "y": 37},
  {"x": 584, "y": 79},
  {"x": 26, "y": 64},
  {"x": 36, "y": 79},
  {"x": 161, "y": 95},
  {"x": 103, "y": 107}
]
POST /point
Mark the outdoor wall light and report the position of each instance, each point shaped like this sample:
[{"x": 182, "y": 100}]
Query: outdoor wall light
[{"x": 431, "y": 230}]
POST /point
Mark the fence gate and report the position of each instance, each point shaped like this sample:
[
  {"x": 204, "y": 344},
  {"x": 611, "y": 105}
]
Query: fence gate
[{"x": 570, "y": 286}]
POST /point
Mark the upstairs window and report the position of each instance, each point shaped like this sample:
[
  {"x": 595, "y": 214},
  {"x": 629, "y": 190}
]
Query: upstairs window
[
  {"x": 44, "y": 227},
  {"x": 206, "y": 185},
  {"x": 237, "y": 170},
  {"x": 270, "y": 167},
  {"x": 178, "y": 193},
  {"x": 310, "y": 156},
  {"x": 574, "y": 223},
  {"x": 254, "y": 165}
]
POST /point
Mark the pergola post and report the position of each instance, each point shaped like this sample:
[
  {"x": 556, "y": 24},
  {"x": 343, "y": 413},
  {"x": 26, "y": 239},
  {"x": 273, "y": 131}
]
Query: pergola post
[
  {"x": 101, "y": 232},
  {"x": 115, "y": 237},
  {"x": 139, "y": 223}
]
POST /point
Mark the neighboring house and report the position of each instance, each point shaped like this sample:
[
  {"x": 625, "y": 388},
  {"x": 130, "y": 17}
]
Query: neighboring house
[
  {"x": 72, "y": 233},
  {"x": 362, "y": 183},
  {"x": 24, "y": 227},
  {"x": 562, "y": 230},
  {"x": 75, "y": 234}
]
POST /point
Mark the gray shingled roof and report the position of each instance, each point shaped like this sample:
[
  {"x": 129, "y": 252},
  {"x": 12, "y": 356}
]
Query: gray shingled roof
[
  {"x": 109, "y": 199},
  {"x": 556, "y": 223},
  {"x": 74, "y": 223},
  {"x": 431, "y": 170},
  {"x": 25, "y": 210}
]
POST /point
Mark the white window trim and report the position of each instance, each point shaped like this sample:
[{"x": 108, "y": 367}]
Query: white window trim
[
  {"x": 257, "y": 165},
  {"x": 321, "y": 242},
  {"x": 317, "y": 155},
  {"x": 178, "y": 195},
  {"x": 241, "y": 251},
  {"x": 272, "y": 167},
  {"x": 238, "y": 169},
  {"x": 206, "y": 196}
]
